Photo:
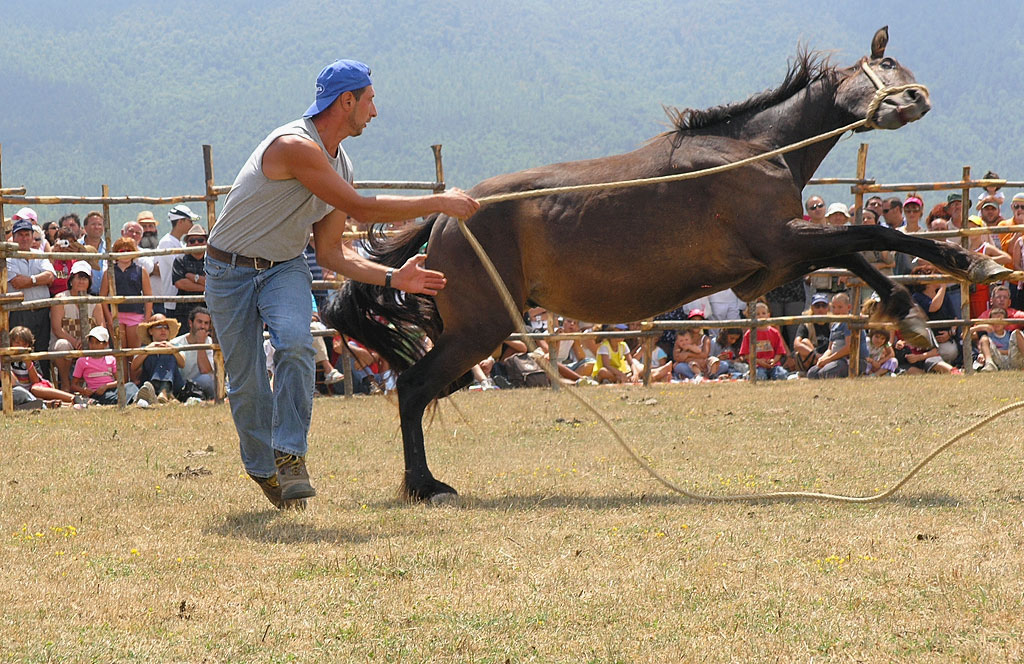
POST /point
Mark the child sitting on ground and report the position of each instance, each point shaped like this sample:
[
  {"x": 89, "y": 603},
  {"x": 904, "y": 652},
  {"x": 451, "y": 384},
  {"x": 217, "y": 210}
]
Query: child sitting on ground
[
  {"x": 1000, "y": 349},
  {"x": 690, "y": 355},
  {"x": 26, "y": 374},
  {"x": 881, "y": 359},
  {"x": 770, "y": 348},
  {"x": 95, "y": 377},
  {"x": 613, "y": 362}
]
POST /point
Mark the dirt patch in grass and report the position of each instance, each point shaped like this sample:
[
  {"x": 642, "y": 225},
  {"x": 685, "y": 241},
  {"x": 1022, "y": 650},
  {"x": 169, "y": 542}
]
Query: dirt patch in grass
[{"x": 560, "y": 548}]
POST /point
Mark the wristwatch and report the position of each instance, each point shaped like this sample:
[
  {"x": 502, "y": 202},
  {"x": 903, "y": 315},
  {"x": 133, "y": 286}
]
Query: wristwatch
[
  {"x": 195, "y": 278},
  {"x": 33, "y": 280}
]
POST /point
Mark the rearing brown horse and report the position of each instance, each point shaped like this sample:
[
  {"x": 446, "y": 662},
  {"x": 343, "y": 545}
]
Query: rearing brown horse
[{"x": 627, "y": 254}]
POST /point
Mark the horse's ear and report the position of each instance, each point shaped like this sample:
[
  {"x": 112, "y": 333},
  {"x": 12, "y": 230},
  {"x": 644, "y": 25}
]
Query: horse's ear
[{"x": 879, "y": 42}]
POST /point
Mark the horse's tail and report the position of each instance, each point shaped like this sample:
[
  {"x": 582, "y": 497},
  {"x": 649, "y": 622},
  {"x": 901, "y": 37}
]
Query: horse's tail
[{"x": 387, "y": 321}]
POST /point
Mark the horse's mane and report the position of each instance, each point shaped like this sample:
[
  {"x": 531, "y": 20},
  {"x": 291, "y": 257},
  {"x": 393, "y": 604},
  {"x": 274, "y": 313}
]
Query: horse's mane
[{"x": 808, "y": 67}]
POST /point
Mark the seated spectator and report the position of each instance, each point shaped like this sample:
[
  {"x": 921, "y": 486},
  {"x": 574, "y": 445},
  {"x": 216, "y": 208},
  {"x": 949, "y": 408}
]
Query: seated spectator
[
  {"x": 915, "y": 360},
  {"x": 162, "y": 371},
  {"x": 883, "y": 261},
  {"x": 96, "y": 377},
  {"x": 613, "y": 362},
  {"x": 372, "y": 373},
  {"x": 188, "y": 273},
  {"x": 881, "y": 360},
  {"x": 811, "y": 338},
  {"x": 572, "y": 360},
  {"x": 198, "y": 366},
  {"x": 931, "y": 296},
  {"x": 322, "y": 360},
  {"x": 129, "y": 279},
  {"x": 950, "y": 349},
  {"x": 769, "y": 347},
  {"x": 66, "y": 325},
  {"x": 725, "y": 358},
  {"x": 999, "y": 297},
  {"x": 999, "y": 349},
  {"x": 31, "y": 277},
  {"x": 27, "y": 376},
  {"x": 691, "y": 351},
  {"x": 835, "y": 361}
]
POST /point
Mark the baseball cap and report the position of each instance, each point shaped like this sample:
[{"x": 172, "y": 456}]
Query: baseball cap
[
  {"x": 952, "y": 198},
  {"x": 182, "y": 212},
  {"x": 100, "y": 333},
  {"x": 81, "y": 267},
  {"x": 26, "y": 213},
  {"x": 338, "y": 77},
  {"x": 21, "y": 225},
  {"x": 989, "y": 202},
  {"x": 696, "y": 312},
  {"x": 819, "y": 298},
  {"x": 837, "y": 207}
]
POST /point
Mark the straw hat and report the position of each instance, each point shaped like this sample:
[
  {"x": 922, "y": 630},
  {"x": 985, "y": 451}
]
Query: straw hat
[{"x": 155, "y": 319}]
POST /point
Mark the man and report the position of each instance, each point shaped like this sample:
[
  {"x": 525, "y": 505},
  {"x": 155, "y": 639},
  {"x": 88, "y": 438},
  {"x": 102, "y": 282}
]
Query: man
[
  {"x": 815, "y": 210},
  {"x": 32, "y": 277},
  {"x": 955, "y": 209},
  {"x": 148, "y": 223},
  {"x": 838, "y": 215},
  {"x": 198, "y": 364},
  {"x": 71, "y": 221},
  {"x": 134, "y": 231},
  {"x": 298, "y": 178},
  {"x": 188, "y": 274},
  {"x": 999, "y": 298},
  {"x": 94, "y": 227},
  {"x": 1017, "y": 208},
  {"x": 182, "y": 219},
  {"x": 892, "y": 212},
  {"x": 875, "y": 203}
]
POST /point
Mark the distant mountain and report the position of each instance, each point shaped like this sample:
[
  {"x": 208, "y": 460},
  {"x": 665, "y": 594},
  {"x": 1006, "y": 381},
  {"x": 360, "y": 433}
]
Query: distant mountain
[{"x": 125, "y": 93}]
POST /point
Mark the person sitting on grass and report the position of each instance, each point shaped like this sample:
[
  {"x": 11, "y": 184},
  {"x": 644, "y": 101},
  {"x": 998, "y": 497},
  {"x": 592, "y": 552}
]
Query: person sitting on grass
[
  {"x": 725, "y": 359},
  {"x": 198, "y": 364},
  {"x": 690, "y": 355},
  {"x": 835, "y": 362},
  {"x": 96, "y": 377},
  {"x": 162, "y": 371},
  {"x": 26, "y": 374},
  {"x": 1000, "y": 349},
  {"x": 881, "y": 359},
  {"x": 613, "y": 362},
  {"x": 770, "y": 348}
]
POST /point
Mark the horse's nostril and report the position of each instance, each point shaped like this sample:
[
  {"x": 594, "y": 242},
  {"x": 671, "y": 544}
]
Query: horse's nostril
[{"x": 913, "y": 94}]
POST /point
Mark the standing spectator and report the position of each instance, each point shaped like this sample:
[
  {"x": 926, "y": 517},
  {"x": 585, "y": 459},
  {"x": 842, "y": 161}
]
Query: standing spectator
[
  {"x": 198, "y": 364},
  {"x": 71, "y": 221},
  {"x": 769, "y": 347},
  {"x": 881, "y": 260},
  {"x": 96, "y": 377},
  {"x": 835, "y": 362},
  {"x": 874, "y": 204},
  {"x": 1000, "y": 298},
  {"x": 50, "y": 228},
  {"x": 31, "y": 277},
  {"x": 838, "y": 215},
  {"x": 913, "y": 208},
  {"x": 182, "y": 219},
  {"x": 938, "y": 213},
  {"x": 188, "y": 274},
  {"x": 955, "y": 209},
  {"x": 149, "y": 230},
  {"x": 725, "y": 305},
  {"x": 129, "y": 279},
  {"x": 815, "y": 210},
  {"x": 892, "y": 213},
  {"x": 1017, "y": 208},
  {"x": 133, "y": 230},
  {"x": 66, "y": 324},
  {"x": 66, "y": 242},
  {"x": 94, "y": 226}
]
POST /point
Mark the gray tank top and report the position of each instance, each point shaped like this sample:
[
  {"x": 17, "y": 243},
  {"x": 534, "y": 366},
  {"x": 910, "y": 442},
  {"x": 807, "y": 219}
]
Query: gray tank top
[{"x": 272, "y": 219}]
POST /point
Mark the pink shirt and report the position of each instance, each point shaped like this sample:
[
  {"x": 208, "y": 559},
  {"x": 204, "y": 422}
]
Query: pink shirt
[{"x": 96, "y": 371}]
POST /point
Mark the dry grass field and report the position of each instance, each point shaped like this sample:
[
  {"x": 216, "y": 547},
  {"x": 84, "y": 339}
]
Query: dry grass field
[{"x": 560, "y": 549}]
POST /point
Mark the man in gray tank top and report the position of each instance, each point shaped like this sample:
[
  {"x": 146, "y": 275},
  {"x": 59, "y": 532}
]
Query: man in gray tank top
[{"x": 298, "y": 179}]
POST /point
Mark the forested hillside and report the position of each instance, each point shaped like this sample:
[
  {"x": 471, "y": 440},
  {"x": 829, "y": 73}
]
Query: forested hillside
[{"x": 125, "y": 93}]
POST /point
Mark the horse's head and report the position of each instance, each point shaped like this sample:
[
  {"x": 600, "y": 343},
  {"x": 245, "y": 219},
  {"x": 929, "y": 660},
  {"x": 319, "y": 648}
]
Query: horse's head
[{"x": 859, "y": 84}]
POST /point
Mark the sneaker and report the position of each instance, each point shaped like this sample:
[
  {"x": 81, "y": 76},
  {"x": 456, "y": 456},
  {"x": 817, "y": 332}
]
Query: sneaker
[
  {"x": 142, "y": 403},
  {"x": 272, "y": 490},
  {"x": 488, "y": 384},
  {"x": 585, "y": 381},
  {"x": 193, "y": 401},
  {"x": 334, "y": 377},
  {"x": 147, "y": 393},
  {"x": 293, "y": 476},
  {"x": 79, "y": 400},
  {"x": 162, "y": 398}
]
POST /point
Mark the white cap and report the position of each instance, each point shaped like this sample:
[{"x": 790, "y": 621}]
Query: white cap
[
  {"x": 81, "y": 267},
  {"x": 99, "y": 333},
  {"x": 838, "y": 207}
]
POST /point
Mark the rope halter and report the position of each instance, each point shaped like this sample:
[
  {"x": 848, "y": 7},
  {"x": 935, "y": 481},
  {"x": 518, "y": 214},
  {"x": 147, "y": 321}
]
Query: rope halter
[{"x": 882, "y": 91}]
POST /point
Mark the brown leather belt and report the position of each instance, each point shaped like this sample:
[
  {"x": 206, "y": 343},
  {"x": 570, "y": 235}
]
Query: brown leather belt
[{"x": 238, "y": 260}]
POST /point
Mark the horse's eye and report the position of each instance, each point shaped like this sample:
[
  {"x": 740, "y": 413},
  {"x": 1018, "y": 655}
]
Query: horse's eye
[{"x": 887, "y": 63}]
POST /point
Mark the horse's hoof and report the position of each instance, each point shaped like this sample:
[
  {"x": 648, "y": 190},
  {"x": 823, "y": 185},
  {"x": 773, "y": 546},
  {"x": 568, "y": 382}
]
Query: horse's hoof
[
  {"x": 986, "y": 270},
  {"x": 915, "y": 332}
]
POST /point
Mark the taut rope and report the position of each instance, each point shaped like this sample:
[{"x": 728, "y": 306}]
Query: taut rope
[{"x": 880, "y": 94}]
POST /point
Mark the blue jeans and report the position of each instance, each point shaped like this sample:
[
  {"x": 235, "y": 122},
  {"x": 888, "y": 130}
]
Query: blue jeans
[
  {"x": 109, "y": 398},
  {"x": 776, "y": 373},
  {"x": 242, "y": 300}
]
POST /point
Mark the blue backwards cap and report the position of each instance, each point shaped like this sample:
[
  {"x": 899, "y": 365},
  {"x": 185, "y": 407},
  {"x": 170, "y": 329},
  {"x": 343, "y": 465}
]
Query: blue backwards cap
[{"x": 338, "y": 77}]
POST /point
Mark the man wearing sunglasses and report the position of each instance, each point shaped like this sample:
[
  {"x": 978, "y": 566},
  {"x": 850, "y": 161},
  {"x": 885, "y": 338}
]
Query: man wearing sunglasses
[
  {"x": 188, "y": 274},
  {"x": 815, "y": 210},
  {"x": 892, "y": 212},
  {"x": 298, "y": 179}
]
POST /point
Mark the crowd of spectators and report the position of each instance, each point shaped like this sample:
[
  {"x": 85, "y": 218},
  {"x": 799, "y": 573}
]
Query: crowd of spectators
[{"x": 817, "y": 350}]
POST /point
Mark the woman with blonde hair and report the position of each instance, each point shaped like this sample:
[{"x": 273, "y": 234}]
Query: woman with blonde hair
[{"x": 129, "y": 279}]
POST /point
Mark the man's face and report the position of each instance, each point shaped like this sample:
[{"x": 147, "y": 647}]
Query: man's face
[
  {"x": 132, "y": 230},
  {"x": 24, "y": 239},
  {"x": 73, "y": 225},
  {"x": 893, "y": 214},
  {"x": 874, "y": 204},
  {"x": 94, "y": 227},
  {"x": 955, "y": 209},
  {"x": 196, "y": 241},
  {"x": 148, "y": 228},
  {"x": 816, "y": 208},
  {"x": 362, "y": 112},
  {"x": 200, "y": 326},
  {"x": 1000, "y": 298},
  {"x": 1018, "y": 212},
  {"x": 990, "y": 214}
]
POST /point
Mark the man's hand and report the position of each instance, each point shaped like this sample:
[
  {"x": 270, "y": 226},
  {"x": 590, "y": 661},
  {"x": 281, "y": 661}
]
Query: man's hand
[
  {"x": 457, "y": 203},
  {"x": 413, "y": 278}
]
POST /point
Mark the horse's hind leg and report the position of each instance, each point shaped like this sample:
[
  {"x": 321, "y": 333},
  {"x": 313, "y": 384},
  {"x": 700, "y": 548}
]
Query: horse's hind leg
[{"x": 447, "y": 362}]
